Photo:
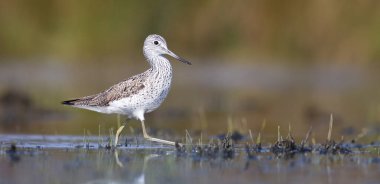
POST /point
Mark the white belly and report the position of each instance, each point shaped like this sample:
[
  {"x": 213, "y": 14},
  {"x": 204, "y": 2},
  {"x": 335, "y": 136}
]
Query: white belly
[{"x": 145, "y": 101}]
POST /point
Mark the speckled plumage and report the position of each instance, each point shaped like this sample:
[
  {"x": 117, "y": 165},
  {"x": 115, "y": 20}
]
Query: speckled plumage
[{"x": 141, "y": 93}]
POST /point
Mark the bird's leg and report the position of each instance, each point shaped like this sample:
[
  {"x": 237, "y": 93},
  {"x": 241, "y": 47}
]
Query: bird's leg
[
  {"x": 146, "y": 136},
  {"x": 118, "y": 134}
]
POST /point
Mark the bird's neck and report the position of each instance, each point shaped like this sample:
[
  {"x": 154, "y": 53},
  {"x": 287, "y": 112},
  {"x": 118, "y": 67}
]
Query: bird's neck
[{"x": 160, "y": 64}]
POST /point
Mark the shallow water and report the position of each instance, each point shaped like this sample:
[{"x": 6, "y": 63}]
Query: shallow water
[{"x": 76, "y": 159}]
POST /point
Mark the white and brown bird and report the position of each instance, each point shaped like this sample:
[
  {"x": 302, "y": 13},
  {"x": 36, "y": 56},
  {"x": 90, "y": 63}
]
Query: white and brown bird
[{"x": 138, "y": 94}]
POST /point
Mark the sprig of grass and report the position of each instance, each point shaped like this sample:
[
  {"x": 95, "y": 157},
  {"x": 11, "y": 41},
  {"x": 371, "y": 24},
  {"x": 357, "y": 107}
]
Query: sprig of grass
[{"x": 330, "y": 128}]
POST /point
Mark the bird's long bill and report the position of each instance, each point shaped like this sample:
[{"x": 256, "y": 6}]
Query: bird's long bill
[{"x": 177, "y": 57}]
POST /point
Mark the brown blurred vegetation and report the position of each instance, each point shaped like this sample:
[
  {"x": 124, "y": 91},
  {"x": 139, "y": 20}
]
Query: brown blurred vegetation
[{"x": 284, "y": 31}]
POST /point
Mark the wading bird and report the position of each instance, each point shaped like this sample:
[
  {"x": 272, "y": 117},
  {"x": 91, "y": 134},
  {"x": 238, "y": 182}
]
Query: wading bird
[{"x": 139, "y": 94}]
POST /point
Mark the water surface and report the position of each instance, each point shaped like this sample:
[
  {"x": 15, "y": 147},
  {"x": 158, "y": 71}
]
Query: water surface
[{"x": 67, "y": 159}]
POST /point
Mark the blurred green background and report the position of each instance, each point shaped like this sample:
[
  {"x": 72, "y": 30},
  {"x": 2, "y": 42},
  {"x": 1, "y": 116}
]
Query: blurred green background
[{"x": 286, "y": 62}]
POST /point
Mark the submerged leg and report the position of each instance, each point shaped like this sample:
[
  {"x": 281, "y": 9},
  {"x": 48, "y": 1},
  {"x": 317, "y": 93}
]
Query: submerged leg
[
  {"x": 146, "y": 136},
  {"x": 118, "y": 134}
]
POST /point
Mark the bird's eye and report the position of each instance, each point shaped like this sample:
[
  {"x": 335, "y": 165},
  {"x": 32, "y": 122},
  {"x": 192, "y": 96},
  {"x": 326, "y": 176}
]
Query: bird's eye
[{"x": 155, "y": 42}]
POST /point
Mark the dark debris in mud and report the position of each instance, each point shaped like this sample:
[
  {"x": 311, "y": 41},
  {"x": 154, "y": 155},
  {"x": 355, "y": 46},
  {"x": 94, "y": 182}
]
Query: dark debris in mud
[
  {"x": 288, "y": 147},
  {"x": 281, "y": 148},
  {"x": 13, "y": 153},
  {"x": 221, "y": 149},
  {"x": 331, "y": 147}
]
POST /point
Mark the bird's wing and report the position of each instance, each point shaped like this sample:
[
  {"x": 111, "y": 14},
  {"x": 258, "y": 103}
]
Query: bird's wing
[{"x": 124, "y": 89}]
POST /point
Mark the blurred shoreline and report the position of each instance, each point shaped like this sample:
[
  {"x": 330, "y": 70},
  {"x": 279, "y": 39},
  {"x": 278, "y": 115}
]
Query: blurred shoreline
[{"x": 303, "y": 96}]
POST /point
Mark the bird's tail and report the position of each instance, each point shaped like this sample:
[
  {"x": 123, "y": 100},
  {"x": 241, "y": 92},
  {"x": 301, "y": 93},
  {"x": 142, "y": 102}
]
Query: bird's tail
[
  {"x": 80, "y": 101},
  {"x": 70, "y": 102}
]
